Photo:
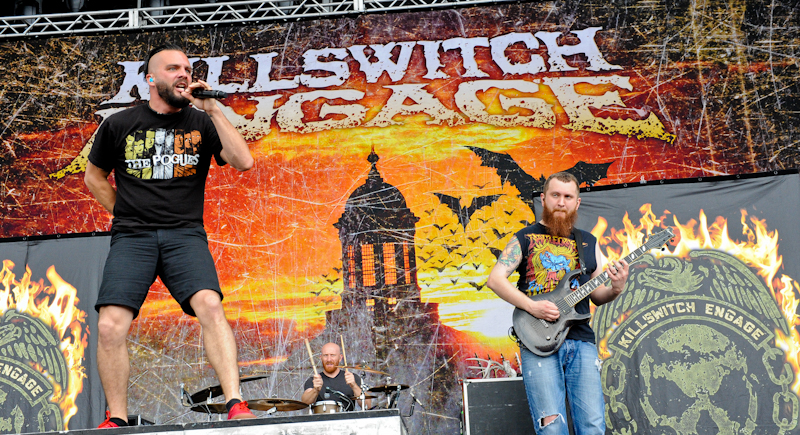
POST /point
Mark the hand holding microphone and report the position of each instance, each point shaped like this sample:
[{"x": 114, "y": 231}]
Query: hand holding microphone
[{"x": 206, "y": 93}]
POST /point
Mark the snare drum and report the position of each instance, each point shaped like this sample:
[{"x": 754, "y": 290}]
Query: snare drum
[{"x": 326, "y": 407}]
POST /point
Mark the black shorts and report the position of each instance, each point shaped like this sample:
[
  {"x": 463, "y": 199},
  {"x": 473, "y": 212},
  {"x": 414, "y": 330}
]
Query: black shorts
[{"x": 180, "y": 256}]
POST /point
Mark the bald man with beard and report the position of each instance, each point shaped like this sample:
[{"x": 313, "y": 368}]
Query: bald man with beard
[{"x": 318, "y": 387}]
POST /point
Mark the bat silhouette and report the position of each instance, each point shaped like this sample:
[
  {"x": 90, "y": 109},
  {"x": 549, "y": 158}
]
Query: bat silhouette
[
  {"x": 461, "y": 267},
  {"x": 465, "y": 213},
  {"x": 441, "y": 269},
  {"x": 479, "y": 186},
  {"x": 483, "y": 220},
  {"x": 315, "y": 293},
  {"x": 499, "y": 234},
  {"x": 510, "y": 172},
  {"x": 454, "y": 280},
  {"x": 450, "y": 249},
  {"x": 496, "y": 252},
  {"x": 425, "y": 260},
  {"x": 477, "y": 286},
  {"x": 452, "y": 232},
  {"x": 476, "y": 265},
  {"x": 440, "y": 227},
  {"x": 331, "y": 281},
  {"x": 473, "y": 239},
  {"x": 337, "y": 269},
  {"x": 428, "y": 212}
]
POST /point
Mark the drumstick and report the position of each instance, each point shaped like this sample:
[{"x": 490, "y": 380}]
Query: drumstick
[
  {"x": 311, "y": 357},
  {"x": 344, "y": 355}
]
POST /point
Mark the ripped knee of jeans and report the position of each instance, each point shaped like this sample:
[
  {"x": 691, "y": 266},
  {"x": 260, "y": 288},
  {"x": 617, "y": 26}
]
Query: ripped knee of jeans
[{"x": 544, "y": 421}]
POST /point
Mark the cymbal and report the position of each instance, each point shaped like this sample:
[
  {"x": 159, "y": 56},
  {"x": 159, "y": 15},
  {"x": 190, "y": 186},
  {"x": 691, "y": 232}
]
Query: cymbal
[
  {"x": 254, "y": 404},
  {"x": 388, "y": 388},
  {"x": 210, "y": 408},
  {"x": 279, "y": 404},
  {"x": 364, "y": 369},
  {"x": 216, "y": 390},
  {"x": 366, "y": 397}
]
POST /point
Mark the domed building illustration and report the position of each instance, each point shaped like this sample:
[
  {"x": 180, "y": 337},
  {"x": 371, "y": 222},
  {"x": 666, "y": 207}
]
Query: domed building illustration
[
  {"x": 379, "y": 269},
  {"x": 383, "y": 322}
]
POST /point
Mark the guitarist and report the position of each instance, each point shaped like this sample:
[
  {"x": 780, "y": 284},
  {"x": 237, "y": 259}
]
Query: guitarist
[{"x": 543, "y": 253}]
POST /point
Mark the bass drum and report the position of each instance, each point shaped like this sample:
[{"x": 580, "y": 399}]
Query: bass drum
[{"x": 326, "y": 407}]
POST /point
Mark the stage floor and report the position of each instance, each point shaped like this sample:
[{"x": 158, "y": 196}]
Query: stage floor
[{"x": 384, "y": 422}]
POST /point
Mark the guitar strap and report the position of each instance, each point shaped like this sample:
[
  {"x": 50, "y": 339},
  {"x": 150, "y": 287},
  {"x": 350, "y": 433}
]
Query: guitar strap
[{"x": 579, "y": 247}]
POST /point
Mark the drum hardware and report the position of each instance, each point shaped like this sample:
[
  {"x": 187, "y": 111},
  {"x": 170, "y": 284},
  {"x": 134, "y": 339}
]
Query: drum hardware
[
  {"x": 326, "y": 407},
  {"x": 268, "y": 405},
  {"x": 362, "y": 398},
  {"x": 364, "y": 369},
  {"x": 216, "y": 390},
  {"x": 276, "y": 404},
  {"x": 345, "y": 401},
  {"x": 388, "y": 388}
]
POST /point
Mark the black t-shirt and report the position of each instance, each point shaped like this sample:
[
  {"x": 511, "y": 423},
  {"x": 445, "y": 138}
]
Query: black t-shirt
[
  {"x": 337, "y": 384},
  {"x": 160, "y": 164},
  {"x": 546, "y": 259}
]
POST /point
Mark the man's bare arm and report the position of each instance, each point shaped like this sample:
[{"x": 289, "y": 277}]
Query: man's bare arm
[
  {"x": 507, "y": 263},
  {"x": 96, "y": 180}
]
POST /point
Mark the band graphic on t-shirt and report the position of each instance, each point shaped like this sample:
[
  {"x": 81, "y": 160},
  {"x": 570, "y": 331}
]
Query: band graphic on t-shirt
[
  {"x": 549, "y": 259},
  {"x": 161, "y": 154}
]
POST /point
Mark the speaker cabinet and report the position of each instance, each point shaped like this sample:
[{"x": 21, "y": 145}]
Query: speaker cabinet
[{"x": 494, "y": 406}]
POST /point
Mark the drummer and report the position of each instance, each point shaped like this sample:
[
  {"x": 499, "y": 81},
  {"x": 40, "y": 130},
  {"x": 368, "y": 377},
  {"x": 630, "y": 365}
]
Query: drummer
[{"x": 324, "y": 385}]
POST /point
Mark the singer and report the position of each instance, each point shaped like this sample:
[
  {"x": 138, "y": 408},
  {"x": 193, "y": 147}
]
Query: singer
[
  {"x": 160, "y": 153},
  {"x": 332, "y": 378}
]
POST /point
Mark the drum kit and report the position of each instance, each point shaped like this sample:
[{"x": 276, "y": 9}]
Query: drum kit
[{"x": 198, "y": 401}]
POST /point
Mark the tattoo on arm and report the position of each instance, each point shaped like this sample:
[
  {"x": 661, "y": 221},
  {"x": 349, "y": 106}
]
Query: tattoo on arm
[{"x": 511, "y": 256}]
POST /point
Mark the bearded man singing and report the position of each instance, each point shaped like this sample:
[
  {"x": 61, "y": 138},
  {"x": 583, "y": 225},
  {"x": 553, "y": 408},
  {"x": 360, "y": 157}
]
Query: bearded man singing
[{"x": 543, "y": 253}]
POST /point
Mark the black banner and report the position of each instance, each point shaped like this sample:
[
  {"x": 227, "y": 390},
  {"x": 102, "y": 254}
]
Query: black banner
[
  {"x": 703, "y": 339},
  {"x": 48, "y": 375}
]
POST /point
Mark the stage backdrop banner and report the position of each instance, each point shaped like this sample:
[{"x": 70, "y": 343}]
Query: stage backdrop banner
[
  {"x": 704, "y": 338},
  {"x": 395, "y": 156},
  {"x": 48, "y": 375}
]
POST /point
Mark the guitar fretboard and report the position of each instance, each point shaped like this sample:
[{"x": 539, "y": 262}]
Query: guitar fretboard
[{"x": 655, "y": 241}]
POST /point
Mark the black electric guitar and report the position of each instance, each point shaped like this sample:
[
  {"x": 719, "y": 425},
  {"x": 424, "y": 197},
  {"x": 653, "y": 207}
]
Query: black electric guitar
[{"x": 543, "y": 338}]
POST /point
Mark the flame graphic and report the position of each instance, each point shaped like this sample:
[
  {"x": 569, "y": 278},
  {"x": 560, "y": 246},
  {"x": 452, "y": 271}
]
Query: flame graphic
[
  {"x": 759, "y": 251},
  {"x": 55, "y": 306}
]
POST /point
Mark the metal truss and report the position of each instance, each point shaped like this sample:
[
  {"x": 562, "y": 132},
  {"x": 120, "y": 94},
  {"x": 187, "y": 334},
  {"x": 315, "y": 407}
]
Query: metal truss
[{"x": 206, "y": 14}]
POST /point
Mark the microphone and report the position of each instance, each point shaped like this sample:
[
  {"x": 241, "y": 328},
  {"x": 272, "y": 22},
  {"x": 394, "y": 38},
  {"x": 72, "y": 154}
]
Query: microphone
[{"x": 204, "y": 93}]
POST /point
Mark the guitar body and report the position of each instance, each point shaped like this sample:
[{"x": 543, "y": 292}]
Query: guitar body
[{"x": 544, "y": 338}]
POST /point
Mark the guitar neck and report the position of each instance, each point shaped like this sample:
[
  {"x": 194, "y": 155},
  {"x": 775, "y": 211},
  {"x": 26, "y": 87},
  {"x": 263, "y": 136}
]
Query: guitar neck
[{"x": 578, "y": 295}]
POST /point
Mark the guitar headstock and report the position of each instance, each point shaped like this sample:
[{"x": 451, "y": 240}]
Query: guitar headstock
[{"x": 659, "y": 239}]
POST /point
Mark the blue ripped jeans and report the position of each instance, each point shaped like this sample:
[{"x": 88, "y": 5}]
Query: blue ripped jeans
[{"x": 576, "y": 369}]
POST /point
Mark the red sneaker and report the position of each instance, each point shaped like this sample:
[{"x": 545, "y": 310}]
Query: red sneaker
[
  {"x": 240, "y": 411},
  {"x": 108, "y": 423}
]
